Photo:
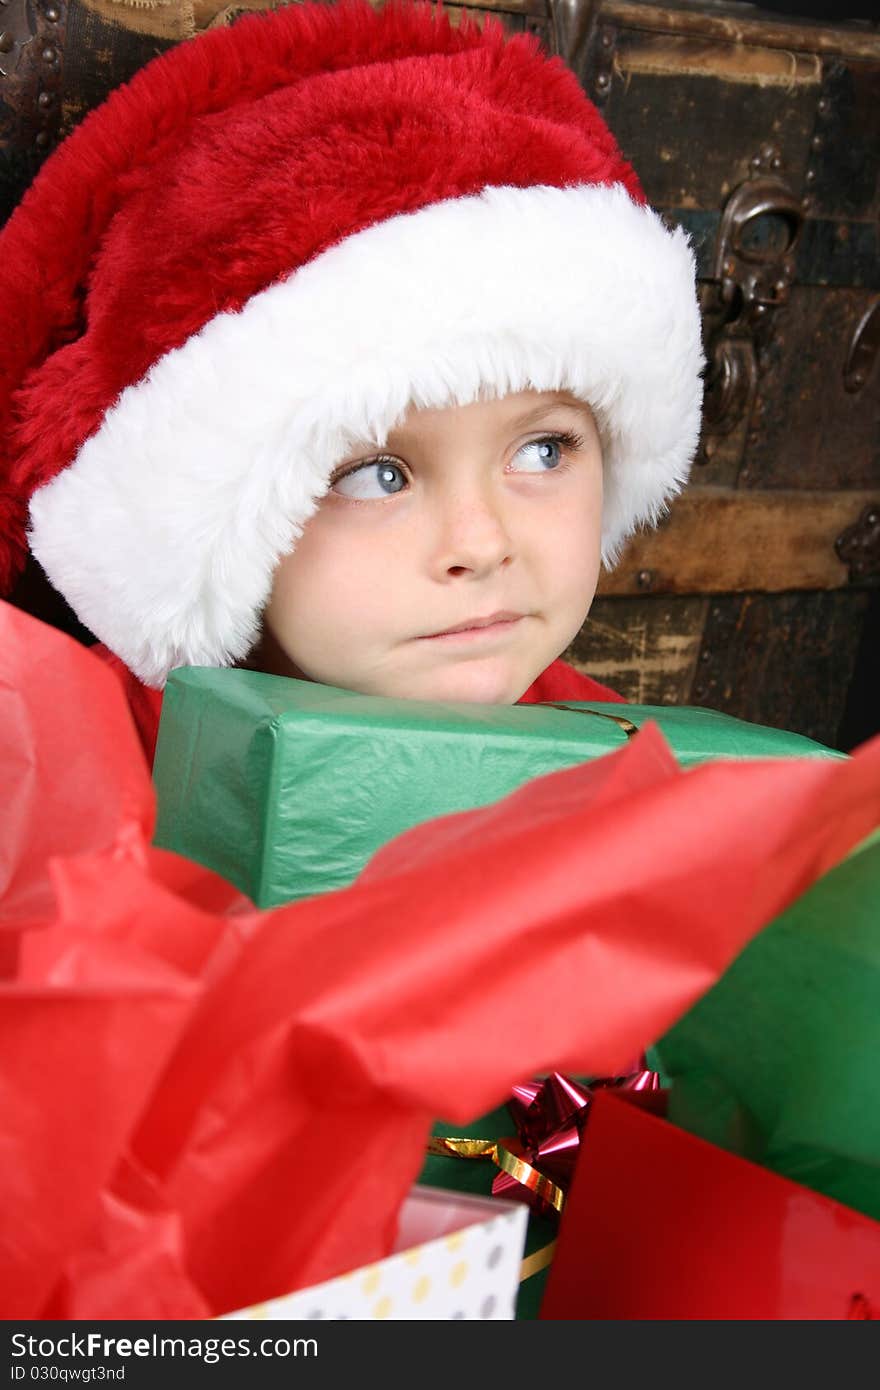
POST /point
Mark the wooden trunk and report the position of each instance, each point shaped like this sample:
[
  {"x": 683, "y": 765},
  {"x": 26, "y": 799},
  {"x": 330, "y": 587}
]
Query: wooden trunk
[{"x": 761, "y": 136}]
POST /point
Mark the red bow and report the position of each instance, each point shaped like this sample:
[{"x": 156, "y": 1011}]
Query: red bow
[{"x": 536, "y": 1165}]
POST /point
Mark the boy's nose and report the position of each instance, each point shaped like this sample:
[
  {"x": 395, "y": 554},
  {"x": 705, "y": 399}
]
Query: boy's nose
[{"x": 472, "y": 536}]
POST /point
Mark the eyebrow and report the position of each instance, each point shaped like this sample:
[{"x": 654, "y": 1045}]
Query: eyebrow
[{"x": 530, "y": 417}]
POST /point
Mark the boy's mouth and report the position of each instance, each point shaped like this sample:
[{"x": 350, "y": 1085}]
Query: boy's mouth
[{"x": 493, "y": 624}]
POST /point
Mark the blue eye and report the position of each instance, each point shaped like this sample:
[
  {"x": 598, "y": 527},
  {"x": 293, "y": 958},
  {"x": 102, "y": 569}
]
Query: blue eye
[
  {"x": 371, "y": 481},
  {"x": 543, "y": 454}
]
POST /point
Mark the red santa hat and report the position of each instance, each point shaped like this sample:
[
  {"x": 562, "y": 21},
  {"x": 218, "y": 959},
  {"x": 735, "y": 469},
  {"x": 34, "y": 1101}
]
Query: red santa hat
[{"x": 268, "y": 245}]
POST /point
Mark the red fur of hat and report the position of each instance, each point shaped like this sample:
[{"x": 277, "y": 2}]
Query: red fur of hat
[{"x": 234, "y": 159}]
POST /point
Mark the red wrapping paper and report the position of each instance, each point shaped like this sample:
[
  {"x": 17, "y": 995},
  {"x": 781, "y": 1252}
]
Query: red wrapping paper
[
  {"x": 204, "y": 1105},
  {"x": 71, "y": 731}
]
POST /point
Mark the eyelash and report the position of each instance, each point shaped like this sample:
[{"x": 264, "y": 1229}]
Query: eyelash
[
  {"x": 570, "y": 441},
  {"x": 566, "y": 438}
]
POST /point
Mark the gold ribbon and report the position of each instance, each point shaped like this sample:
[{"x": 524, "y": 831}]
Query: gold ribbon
[
  {"x": 629, "y": 728},
  {"x": 509, "y": 1162},
  {"x": 503, "y": 1154},
  {"x": 538, "y": 1260}
]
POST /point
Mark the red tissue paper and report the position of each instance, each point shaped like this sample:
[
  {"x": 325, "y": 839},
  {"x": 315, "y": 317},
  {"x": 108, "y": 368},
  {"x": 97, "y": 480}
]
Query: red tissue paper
[{"x": 203, "y": 1105}]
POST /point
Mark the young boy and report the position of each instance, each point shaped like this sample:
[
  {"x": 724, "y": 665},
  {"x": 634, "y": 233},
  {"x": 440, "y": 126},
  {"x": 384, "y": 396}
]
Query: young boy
[{"x": 342, "y": 344}]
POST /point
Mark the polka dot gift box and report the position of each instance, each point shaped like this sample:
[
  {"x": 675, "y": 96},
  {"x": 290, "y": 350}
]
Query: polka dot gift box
[{"x": 456, "y": 1256}]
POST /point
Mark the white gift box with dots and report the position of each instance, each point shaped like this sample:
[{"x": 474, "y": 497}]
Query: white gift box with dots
[{"x": 456, "y": 1256}]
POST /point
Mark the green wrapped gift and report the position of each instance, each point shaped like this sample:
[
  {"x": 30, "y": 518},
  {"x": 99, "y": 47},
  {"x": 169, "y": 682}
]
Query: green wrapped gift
[
  {"x": 287, "y": 788},
  {"x": 778, "y": 1061}
]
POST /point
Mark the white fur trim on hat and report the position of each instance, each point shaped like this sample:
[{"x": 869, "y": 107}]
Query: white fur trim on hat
[{"x": 165, "y": 530}]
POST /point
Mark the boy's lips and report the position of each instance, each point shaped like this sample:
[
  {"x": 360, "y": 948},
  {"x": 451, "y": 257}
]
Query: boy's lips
[{"x": 473, "y": 627}]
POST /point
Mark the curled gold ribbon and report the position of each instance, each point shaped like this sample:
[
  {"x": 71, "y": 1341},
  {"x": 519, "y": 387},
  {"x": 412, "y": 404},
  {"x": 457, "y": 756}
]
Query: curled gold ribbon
[
  {"x": 461, "y": 1148},
  {"x": 503, "y": 1154}
]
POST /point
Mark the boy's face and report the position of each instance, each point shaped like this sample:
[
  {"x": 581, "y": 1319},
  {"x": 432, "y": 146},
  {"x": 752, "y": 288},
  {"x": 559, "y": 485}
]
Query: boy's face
[{"x": 469, "y": 513}]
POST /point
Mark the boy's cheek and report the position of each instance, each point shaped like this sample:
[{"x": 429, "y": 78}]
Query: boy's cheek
[
  {"x": 332, "y": 625},
  {"x": 579, "y": 560}
]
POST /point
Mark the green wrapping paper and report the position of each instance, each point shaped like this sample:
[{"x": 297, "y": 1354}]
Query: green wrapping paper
[
  {"x": 287, "y": 788},
  {"x": 778, "y": 1062}
]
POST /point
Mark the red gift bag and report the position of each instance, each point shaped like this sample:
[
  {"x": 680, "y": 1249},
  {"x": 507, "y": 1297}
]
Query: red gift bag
[{"x": 659, "y": 1224}]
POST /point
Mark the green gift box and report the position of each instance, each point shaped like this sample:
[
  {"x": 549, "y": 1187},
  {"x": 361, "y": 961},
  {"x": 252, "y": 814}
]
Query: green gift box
[
  {"x": 778, "y": 1061},
  {"x": 287, "y": 788}
]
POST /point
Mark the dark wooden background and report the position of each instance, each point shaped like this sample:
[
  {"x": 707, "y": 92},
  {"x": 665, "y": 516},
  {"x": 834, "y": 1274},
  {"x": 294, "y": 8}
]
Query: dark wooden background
[{"x": 759, "y": 133}]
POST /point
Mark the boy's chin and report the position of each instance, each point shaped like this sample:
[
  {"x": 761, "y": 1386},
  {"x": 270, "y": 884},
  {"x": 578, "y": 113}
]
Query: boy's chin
[{"x": 478, "y": 683}]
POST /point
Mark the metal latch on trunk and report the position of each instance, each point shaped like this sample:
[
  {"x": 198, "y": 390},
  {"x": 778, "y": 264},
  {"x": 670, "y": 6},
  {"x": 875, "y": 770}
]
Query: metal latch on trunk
[{"x": 754, "y": 267}]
